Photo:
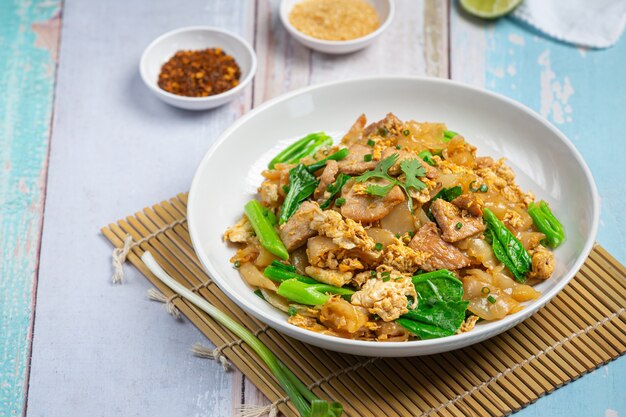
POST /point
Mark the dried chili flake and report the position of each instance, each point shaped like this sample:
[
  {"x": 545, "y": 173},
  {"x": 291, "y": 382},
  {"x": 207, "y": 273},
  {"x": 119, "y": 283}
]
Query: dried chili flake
[{"x": 199, "y": 73}]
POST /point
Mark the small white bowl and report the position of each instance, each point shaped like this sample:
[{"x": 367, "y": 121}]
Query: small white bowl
[
  {"x": 196, "y": 38},
  {"x": 384, "y": 8}
]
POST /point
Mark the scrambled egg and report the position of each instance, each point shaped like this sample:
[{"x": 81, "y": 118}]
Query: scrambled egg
[{"x": 387, "y": 299}]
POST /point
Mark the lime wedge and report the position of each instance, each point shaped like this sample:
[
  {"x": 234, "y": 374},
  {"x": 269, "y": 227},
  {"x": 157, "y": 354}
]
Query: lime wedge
[{"x": 489, "y": 9}]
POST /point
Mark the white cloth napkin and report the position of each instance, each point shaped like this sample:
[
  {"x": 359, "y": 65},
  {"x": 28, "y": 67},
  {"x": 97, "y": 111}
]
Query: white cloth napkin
[{"x": 590, "y": 23}]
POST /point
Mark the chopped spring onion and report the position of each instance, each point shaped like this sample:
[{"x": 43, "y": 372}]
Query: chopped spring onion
[{"x": 448, "y": 135}]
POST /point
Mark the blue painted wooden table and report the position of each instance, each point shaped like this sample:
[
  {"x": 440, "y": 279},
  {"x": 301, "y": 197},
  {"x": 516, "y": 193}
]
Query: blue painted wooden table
[{"x": 76, "y": 123}]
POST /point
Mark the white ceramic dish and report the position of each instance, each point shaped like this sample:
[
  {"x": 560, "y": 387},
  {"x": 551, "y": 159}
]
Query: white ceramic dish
[
  {"x": 384, "y": 8},
  {"x": 194, "y": 38},
  {"x": 543, "y": 159}
]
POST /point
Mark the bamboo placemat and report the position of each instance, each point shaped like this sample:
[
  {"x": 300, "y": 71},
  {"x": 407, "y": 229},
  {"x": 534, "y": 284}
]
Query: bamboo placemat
[{"x": 581, "y": 329}]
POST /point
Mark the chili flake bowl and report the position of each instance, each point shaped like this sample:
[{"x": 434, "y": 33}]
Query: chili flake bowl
[
  {"x": 384, "y": 8},
  {"x": 196, "y": 38}
]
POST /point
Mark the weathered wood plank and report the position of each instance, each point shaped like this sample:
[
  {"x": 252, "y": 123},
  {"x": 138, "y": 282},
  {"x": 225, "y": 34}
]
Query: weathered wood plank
[
  {"x": 583, "y": 94},
  {"x": 101, "y": 349},
  {"x": 28, "y": 45}
]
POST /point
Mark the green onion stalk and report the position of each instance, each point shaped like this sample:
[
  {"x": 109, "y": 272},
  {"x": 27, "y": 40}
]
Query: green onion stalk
[{"x": 305, "y": 401}]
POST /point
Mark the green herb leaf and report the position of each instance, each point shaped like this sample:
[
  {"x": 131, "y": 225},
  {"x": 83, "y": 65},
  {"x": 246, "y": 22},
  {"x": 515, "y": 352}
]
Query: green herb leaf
[
  {"x": 413, "y": 169},
  {"x": 379, "y": 190},
  {"x": 381, "y": 169}
]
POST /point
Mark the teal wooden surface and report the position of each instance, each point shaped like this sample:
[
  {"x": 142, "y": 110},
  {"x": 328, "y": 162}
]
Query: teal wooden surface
[
  {"x": 584, "y": 94},
  {"x": 28, "y": 34},
  {"x": 581, "y": 91}
]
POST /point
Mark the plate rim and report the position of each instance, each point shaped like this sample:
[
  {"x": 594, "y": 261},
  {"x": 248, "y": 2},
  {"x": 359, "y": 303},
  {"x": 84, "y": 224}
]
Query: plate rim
[{"x": 485, "y": 331}]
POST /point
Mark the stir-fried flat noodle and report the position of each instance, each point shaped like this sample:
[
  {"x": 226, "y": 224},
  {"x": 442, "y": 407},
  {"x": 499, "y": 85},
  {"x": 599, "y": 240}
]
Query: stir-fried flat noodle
[{"x": 411, "y": 235}]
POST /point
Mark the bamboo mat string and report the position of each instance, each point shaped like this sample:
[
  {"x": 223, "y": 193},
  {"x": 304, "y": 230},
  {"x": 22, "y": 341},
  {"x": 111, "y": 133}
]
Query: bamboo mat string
[
  {"x": 156, "y": 295},
  {"x": 119, "y": 254},
  {"x": 201, "y": 351}
]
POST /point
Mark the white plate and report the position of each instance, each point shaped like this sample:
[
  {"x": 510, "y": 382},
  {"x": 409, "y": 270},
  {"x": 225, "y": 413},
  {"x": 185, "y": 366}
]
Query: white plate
[{"x": 543, "y": 159}]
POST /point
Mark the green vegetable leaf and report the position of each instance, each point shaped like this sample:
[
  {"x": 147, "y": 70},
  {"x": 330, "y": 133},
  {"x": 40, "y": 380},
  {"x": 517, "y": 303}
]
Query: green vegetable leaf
[
  {"x": 334, "y": 189},
  {"x": 422, "y": 330},
  {"x": 440, "y": 308},
  {"x": 301, "y": 185},
  {"x": 448, "y": 194},
  {"x": 413, "y": 169},
  {"x": 446, "y": 315},
  {"x": 506, "y": 247},
  {"x": 439, "y": 285}
]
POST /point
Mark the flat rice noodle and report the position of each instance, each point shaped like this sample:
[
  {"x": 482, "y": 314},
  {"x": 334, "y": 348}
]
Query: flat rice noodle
[
  {"x": 381, "y": 235},
  {"x": 254, "y": 277},
  {"x": 399, "y": 220}
]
